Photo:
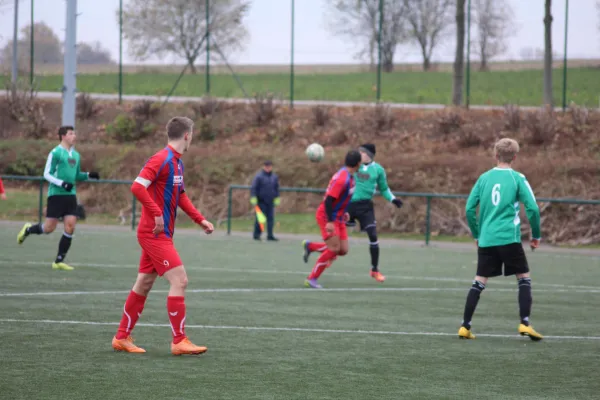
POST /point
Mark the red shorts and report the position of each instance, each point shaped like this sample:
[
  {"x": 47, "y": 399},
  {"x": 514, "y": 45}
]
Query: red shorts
[
  {"x": 158, "y": 255},
  {"x": 340, "y": 228}
]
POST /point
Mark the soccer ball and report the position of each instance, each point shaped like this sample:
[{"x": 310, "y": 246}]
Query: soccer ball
[{"x": 315, "y": 152}]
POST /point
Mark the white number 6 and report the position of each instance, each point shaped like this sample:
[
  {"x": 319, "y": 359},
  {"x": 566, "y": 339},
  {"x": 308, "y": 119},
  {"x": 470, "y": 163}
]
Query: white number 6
[{"x": 496, "y": 194}]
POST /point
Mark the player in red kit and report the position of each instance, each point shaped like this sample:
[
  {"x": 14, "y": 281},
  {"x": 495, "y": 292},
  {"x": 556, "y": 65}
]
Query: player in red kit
[
  {"x": 160, "y": 189},
  {"x": 331, "y": 217}
]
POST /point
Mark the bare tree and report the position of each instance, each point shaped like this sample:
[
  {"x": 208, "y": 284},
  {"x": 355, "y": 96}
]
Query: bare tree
[
  {"x": 93, "y": 53},
  {"x": 428, "y": 20},
  {"x": 459, "y": 57},
  {"x": 177, "y": 27},
  {"x": 493, "y": 19},
  {"x": 359, "y": 21},
  {"x": 548, "y": 100}
]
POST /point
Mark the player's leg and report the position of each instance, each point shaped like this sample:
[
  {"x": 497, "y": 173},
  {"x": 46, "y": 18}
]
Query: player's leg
[
  {"x": 53, "y": 213},
  {"x": 64, "y": 243},
  {"x": 134, "y": 305},
  {"x": 176, "y": 309},
  {"x": 332, "y": 242},
  {"x": 257, "y": 232},
  {"x": 489, "y": 264},
  {"x": 515, "y": 263},
  {"x": 310, "y": 247},
  {"x": 270, "y": 214}
]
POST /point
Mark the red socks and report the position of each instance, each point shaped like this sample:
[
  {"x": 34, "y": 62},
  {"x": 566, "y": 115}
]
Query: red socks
[
  {"x": 317, "y": 246},
  {"x": 131, "y": 313},
  {"x": 176, "y": 309},
  {"x": 323, "y": 262}
]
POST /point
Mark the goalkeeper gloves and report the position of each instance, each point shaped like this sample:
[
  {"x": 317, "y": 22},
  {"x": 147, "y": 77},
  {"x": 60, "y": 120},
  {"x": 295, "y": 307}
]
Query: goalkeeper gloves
[
  {"x": 93, "y": 175},
  {"x": 253, "y": 200},
  {"x": 397, "y": 203},
  {"x": 277, "y": 201},
  {"x": 67, "y": 186}
]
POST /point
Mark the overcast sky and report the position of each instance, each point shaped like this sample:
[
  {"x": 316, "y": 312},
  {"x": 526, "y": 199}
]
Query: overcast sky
[{"x": 269, "y": 25}]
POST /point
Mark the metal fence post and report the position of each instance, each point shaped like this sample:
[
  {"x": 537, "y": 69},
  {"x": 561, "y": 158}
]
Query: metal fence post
[
  {"x": 292, "y": 58},
  {"x": 229, "y": 209},
  {"x": 133, "y": 213},
  {"x": 428, "y": 221},
  {"x": 120, "y": 51},
  {"x": 207, "y": 15},
  {"x": 31, "y": 48},
  {"x": 564, "y": 91},
  {"x": 468, "y": 83},
  {"x": 379, "y": 38},
  {"x": 41, "y": 201}
]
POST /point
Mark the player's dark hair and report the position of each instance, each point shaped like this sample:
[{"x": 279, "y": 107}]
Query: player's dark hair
[
  {"x": 353, "y": 159},
  {"x": 177, "y": 127},
  {"x": 62, "y": 131}
]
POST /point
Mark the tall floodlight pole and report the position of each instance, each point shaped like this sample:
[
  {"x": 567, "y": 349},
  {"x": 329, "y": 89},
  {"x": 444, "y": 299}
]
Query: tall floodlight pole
[
  {"x": 564, "y": 93},
  {"x": 379, "y": 36},
  {"x": 70, "y": 67},
  {"x": 15, "y": 61}
]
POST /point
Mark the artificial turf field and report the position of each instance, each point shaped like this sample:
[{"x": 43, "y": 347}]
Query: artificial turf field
[{"x": 270, "y": 338}]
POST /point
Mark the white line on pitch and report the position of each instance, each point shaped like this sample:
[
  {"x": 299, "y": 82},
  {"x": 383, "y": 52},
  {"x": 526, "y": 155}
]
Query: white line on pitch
[
  {"x": 283, "y": 272},
  {"x": 285, "y": 329},
  {"x": 284, "y": 290}
]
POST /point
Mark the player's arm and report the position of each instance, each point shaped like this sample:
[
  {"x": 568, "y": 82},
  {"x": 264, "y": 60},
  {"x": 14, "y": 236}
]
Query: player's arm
[
  {"x": 147, "y": 175},
  {"x": 254, "y": 190},
  {"x": 471, "y": 209},
  {"x": 335, "y": 192},
  {"x": 50, "y": 169},
  {"x": 277, "y": 200},
  {"x": 84, "y": 176},
  {"x": 384, "y": 189},
  {"x": 188, "y": 207},
  {"x": 532, "y": 210}
]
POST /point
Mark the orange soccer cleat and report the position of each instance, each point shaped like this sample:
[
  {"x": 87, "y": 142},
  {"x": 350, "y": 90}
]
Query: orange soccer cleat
[
  {"x": 378, "y": 276},
  {"x": 186, "y": 347},
  {"x": 126, "y": 345}
]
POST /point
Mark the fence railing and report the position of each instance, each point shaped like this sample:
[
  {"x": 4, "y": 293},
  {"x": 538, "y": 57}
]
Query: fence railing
[
  {"x": 427, "y": 196},
  {"x": 42, "y": 183}
]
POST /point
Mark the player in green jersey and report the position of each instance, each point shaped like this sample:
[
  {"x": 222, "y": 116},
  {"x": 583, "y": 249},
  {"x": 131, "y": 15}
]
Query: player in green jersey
[
  {"x": 497, "y": 232},
  {"x": 369, "y": 178},
  {"x": 62, "y": 171}
]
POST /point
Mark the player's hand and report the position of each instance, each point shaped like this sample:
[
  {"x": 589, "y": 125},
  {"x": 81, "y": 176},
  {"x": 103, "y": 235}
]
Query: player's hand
[
  {"x": 346, "y": 217},
  {"x": 159, "y": 225},
  {"x": 207, "y": 226},
  {"x": 476, "y": 243},
  {"x": 94, "y": 175},
  {"x": 3, "y": 196},
  {"x": 68, "y": 186},
  {"x": 397, "y": 203},
  {"x": 253, "y": 200},
  {"x": 534, "y": 244},
  {"x": 330, "y": 227}
]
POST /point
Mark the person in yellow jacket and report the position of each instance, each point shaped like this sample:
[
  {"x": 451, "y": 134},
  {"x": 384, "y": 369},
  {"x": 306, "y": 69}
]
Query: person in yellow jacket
[{"x": 264, "y": 194}]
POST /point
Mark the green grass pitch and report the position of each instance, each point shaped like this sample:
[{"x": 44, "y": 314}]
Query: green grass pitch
[
  {"x": 269, "y": 338},
  {"x": 523, "y": 87}
]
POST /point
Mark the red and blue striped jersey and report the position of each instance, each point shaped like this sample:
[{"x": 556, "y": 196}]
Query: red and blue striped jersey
[
  {"x": 162, "y": 175},
  {"x": 341, "y": 187}
]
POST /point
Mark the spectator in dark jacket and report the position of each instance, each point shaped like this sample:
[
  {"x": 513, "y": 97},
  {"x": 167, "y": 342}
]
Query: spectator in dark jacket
[{"x": 265, "y": 194}]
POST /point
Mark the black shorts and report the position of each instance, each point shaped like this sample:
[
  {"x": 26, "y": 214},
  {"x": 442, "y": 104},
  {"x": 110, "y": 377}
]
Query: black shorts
[
  {"x": 363, "y": 212},
  {"x": 491, "y": 259},
  {"x": 61, "y": 206}
]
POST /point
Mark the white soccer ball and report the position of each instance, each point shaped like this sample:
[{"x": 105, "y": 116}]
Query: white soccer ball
[{"x": 315, "y": 152}]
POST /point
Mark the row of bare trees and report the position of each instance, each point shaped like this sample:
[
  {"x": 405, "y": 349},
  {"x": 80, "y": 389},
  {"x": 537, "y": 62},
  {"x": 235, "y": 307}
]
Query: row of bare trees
[{"x": 424, "y": 23}]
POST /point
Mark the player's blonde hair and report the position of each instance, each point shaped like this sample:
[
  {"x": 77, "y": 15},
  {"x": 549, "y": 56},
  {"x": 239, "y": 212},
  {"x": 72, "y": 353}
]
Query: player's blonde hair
[
  {"x": 506, "y": 149},
  {"x": 177, "y": 127}
]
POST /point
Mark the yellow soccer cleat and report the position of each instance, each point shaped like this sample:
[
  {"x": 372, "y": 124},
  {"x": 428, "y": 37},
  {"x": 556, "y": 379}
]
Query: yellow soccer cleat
[
  {"x": 23, "y": 233},
  {"x": 186, "y": 347},
  {"x": 525, "y": 330},
  {"x": 464, "y": 333},
  {"x": 126, "y": 345},
  {"x": 63, "y": 266}
]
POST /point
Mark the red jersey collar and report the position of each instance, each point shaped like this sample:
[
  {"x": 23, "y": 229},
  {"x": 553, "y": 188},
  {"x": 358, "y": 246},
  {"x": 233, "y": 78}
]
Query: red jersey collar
[{"x": 175, "y": 152}]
